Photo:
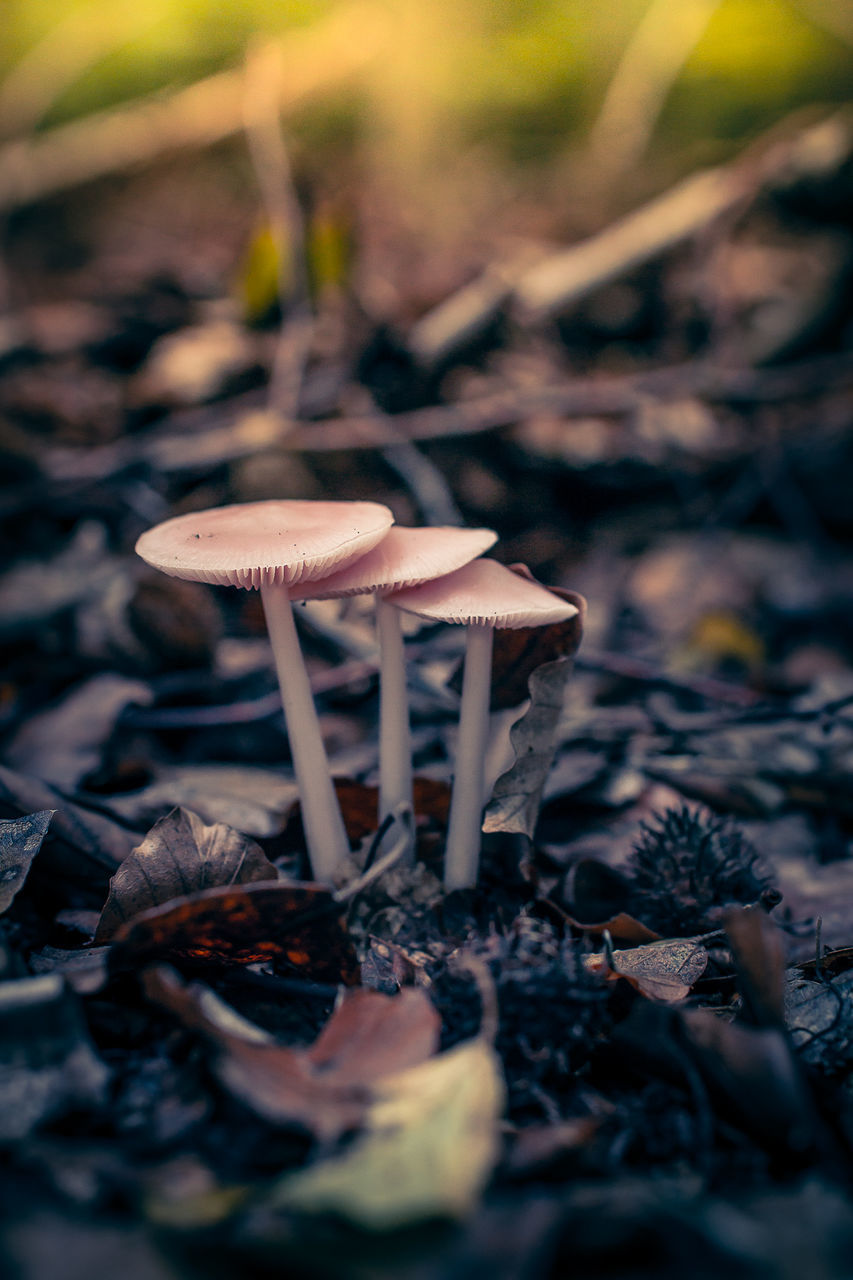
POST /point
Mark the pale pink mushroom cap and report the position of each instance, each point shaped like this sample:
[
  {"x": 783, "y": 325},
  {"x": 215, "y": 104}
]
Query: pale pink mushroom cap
[
  {"x": 484, "y": 593},
  {"x": 258, "y": 544},
  {"x": 403, "y": 558}
]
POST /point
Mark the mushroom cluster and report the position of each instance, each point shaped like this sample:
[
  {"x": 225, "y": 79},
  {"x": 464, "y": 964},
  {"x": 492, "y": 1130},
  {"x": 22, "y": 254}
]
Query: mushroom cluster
[{"x": 299, "y": 550}]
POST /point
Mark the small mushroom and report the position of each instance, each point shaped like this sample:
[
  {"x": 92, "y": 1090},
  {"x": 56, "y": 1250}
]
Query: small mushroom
[
  {"x": 404, "y": 558},
  {"x": 483, "y": 595},
  {"x": 270, "y": 546}
]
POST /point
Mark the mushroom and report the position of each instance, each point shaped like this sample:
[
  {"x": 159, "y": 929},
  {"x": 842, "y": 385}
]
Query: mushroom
[
  {"x": 483, "y": 595},
  {"x": 404, "y": 558},
  {"x": 269, "y": 546}
]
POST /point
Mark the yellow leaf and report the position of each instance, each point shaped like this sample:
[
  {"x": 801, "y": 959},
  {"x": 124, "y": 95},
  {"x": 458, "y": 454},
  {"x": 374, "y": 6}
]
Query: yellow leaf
[{"x": 431, "y": 1143}]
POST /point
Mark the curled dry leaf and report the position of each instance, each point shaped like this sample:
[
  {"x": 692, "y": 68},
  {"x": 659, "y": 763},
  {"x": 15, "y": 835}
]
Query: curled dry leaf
[
  {"x": 179, "y": 856},
  {"x": 326, "y": 1088},
  {"x": 300, "y": 924},
  {"x": 431, "y": 1144},
  {"x": 662, "y": 971},
  {"x": 545, "y": 662},
  {"x": 20, "y": 841}
]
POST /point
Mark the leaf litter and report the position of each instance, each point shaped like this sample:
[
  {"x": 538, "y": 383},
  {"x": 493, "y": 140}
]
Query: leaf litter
[{"x": 697, "y": 762}]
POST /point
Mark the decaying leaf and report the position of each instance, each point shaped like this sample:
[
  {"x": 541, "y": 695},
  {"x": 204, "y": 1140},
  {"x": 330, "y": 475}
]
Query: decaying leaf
[
  {"x": 756, "y": 944},
  {"x": 431, "y": 1145},
  {"x": 299, "y": 924},
  {"x": 180, "y": 855},
  {"x": 326, "y": 1088},
  {"x": 20, "y": 841},
  {"x": 662, "y": 971},
  {"x": 516, "y": 797},
  {"x": 545, "y": 661},
  {"x": 756, "y": 1078},
  {"x": 47, "y": 1063}
]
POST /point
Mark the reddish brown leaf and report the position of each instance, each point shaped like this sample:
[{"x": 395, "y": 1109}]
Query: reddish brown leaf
[
  {"x": 621, "y": 927},
  {"x": 327, "y": 1087},
  {"x": 597, "y": 898},
  {"x": 359, "y": 805},
  {"x": 245, "y": 924}
]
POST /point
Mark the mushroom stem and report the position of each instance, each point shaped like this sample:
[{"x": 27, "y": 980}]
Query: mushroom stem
[
  {"x": 325, "y": 835},
  {"x": 463, "y": 833},
  {"x": 395, "y": 745}
]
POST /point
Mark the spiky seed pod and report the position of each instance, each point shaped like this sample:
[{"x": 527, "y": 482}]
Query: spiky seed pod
[{"x": 689, "y": 865}]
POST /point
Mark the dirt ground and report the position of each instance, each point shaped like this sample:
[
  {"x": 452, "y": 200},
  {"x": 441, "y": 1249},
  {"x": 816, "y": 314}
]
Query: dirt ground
[{"x": 628, "y": 1050}]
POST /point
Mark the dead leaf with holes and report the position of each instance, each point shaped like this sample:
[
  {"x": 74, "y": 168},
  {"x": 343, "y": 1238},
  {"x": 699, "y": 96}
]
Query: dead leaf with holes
[{"x": 180, "y": 855}]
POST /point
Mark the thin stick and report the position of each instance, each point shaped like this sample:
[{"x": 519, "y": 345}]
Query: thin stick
[
  {"x": 466, "y": 807},
  {"x": 264, "y": 79},
  {"x": 325, "y": 835}
]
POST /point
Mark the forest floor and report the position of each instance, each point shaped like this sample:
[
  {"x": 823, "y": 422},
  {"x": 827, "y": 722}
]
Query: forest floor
[{"x": 628, "y": 1050}]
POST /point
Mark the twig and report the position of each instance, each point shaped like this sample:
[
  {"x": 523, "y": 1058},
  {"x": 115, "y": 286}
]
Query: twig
[
  {"x": 650, "y": 64},
  {"x": 636, "y": 669},
  {"x": 263, "y": 90},
  {"x": 205, "y": 113},
  {"x": 560, "y": 280},
  {"x": 168, "y": 451}
]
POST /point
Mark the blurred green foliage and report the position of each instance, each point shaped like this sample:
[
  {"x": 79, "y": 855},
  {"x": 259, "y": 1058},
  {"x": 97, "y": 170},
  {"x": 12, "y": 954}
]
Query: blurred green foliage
[{"x": 524, "y": 75}]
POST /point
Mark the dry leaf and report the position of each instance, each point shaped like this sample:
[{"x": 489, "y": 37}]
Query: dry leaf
[
  {"x": 326, "y": 1088},
  {"x": 662, "y": 971},
  {"x": 20, "y": 841},
  {"x": 518, "y": 652},
  {"x": 431, "y": 1145},
  {"x": 179, "y": 856},
  {"x": 245, "y": 924},
  {"x": 95, "y": 841}
]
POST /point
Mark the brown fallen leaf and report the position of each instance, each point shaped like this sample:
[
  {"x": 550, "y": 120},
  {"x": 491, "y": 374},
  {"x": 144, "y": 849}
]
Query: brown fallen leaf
[
  {"x": 20, "y": 841},
  {"x": 596, "y": 898},
  {"x": 81, "y": 842},
  {"x": 245, "y": 924},
  {"x": 179, "y": 855},
  {"x": 360, "y": 804},
  {"x": 663, "y": 971},
  {"x": 759, "y": 957},
  {"x": 326, "y": 1088}
]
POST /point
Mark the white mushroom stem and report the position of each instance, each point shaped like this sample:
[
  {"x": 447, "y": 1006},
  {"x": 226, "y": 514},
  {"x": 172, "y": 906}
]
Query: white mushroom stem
[
  {"x": 325, "y": 835},
  {"x": 395, "y": 745},
  {"x": 464, "y": 831}
]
